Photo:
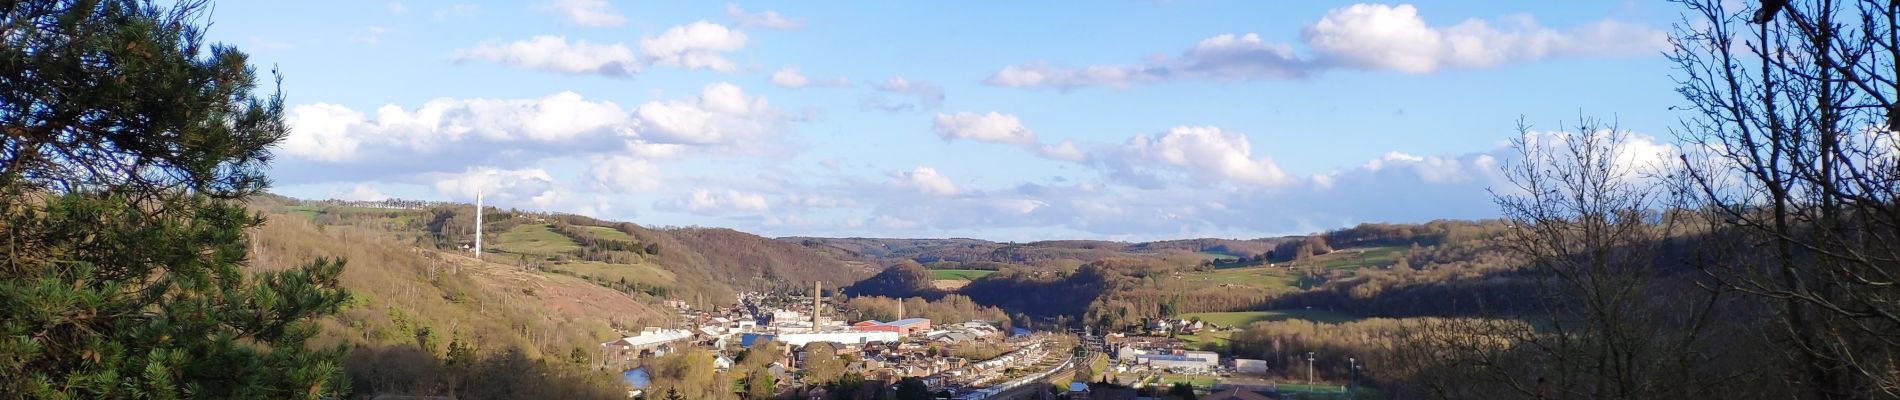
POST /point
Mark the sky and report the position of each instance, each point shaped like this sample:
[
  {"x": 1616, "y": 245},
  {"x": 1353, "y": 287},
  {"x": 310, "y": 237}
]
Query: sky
[{"x": 1141, "y": 120}]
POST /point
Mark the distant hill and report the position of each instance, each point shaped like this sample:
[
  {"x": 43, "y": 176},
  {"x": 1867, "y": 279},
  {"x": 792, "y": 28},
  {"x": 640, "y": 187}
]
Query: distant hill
[{"x": 705, "y": 266}]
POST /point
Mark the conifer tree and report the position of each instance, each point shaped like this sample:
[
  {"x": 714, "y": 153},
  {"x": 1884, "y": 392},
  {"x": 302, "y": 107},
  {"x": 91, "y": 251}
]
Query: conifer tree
[{"x": 127, "y": 147}]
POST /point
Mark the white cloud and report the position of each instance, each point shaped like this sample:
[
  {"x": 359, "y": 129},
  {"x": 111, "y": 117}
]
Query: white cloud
[
  {"x": 716, "y": 202},
  {"x": 1001, "y": 128},
  {"x": 1382, "y": 37},
  {"x": 1363, "y": 36},
  {"x": 723, "y": 113},
  {"x": 323, "y": 132},
  {"x": 763, "y": 19},
  {"x": 624, "y": 174},
  {"x": 1429, "y": 169},
  {"x": 555, "y": 54},
  {"x": 694, "y": 46},
  {"x": 506, "y": 184},
  {"x": 359, "y": 192},
  {"x": 396, "y": 7},
  {"x": 925, "y": 95},
  {"x": 334, "y": 133},
  {"x": 594, "y": 13},
  {"x": 1207, "y": 154},
  {"x": 993, "y": 127},
  {"x": 926, "y": 180},
  {"x": 790, "y": 77}
]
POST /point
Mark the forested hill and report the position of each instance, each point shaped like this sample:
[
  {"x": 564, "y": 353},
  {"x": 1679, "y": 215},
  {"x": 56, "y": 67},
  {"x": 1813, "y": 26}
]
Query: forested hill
[
  {"x": 704, "y": 266},
  {"x": 960, "y": 253}
]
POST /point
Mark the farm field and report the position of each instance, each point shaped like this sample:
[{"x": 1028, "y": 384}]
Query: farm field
[
  {"x": 1354, "y": 258},
  {"x": 959, "y": 274},
  {"x": 1255, "y": 277},
  {"x": 534, "y": 239},
  {"x": 602, "y": 232}
]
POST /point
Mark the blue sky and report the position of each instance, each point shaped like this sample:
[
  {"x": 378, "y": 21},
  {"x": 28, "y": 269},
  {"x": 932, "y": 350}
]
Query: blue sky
[{"x": 1132, "y": 121}]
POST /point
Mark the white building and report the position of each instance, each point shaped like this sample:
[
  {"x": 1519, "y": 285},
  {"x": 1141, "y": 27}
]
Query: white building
[
  {"x": 1250, "y": 366},
  {"x": 846, "y": 337}
]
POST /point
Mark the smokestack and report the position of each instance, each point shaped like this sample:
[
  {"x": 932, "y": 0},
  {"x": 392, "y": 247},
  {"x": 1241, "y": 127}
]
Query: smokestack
[
  {"x": 478, "y": 224},
  {"x": 817, "y": 304},
  {"x": 900, "y": 309}
]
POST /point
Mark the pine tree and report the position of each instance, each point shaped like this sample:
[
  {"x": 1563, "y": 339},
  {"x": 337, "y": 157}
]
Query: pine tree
[{"x": 126, "y": 149}]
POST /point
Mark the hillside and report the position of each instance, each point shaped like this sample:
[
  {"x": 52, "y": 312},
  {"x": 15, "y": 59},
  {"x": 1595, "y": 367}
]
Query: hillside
[
  {"x": 703, "y": 266},
  {"x": 411, "y": 307}
]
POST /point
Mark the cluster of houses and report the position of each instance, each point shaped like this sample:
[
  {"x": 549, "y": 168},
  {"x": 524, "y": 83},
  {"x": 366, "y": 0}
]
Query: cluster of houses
[
  {"x": 879, "y": 350},
  {"x": 1160, "y": 354}
]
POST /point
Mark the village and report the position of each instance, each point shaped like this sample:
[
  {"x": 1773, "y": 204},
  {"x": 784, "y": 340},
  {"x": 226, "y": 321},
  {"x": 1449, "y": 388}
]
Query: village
[
  {"x": 939, "y": 353},
  {"x": 956, "y": 360}
]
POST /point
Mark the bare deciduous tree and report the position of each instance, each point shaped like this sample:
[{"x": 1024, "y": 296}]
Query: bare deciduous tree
[{"x": 1793, "y": 116}]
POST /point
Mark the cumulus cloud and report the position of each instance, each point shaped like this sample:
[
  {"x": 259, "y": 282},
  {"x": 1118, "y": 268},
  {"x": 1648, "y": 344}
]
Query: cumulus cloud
[
  {"x": 723, "y": 113},
  {"x": 594, "y": 13},
  {"x": 330, "y": 142},
  {"x": 993, "y": 127},
  {"x": 926, "y": 180},
  {"x": 923, "y": 94},
  {"x": 764, "y": 19},
  {"x": 790, "y": 77},
  {"x": 999, "y": 128},
  {"x": 716, "y": 202},
  {"x": 494, "y": 182},
  {"x": 1206, "y": 154},
  {"x": 329, "y": 132},
  {"x": 1395, "y": 38},
  {"x": 622, "y": 174},
  {"x": 556, "y": 54},
  {"x": 699, "y": 45},
  {"x": 360, "y": 192},
  {"x": 1362, "y": 36}
]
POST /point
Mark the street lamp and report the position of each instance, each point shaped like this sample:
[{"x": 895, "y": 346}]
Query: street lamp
[
  {"x": 1309, "y": 369},
  {"x": 1352, "y": 376}
]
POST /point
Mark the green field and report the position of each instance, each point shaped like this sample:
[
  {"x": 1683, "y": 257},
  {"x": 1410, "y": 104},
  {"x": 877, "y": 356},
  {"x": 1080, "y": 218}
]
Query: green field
[
  {"x": 1361, "y": 257},
  {"x": 602, "y": 232},
  {"x": 1216, "y": 254},
  {"x": 959, "y": 274},
  {"x": 531, "y": 239},
  {"x": 1257, "y": 277},
  {"x": 1243, "y": 318},
  {"x": 644, "y": 274}
]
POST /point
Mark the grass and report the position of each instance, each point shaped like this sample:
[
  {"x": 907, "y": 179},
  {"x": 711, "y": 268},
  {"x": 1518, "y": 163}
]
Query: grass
[
  {"x": 1212, "y": 338},
  {"x": 1355, "y": 258},
  {"x": 959, "y": 274},
  {"x": 602, "y": 232},
  {"x": 1257, "y": 277},
  {"x": 1216, "y": 254},
  {"x": 644, "y": 274},
  {"x": 532, "y": 239},
  {"x": 1243, "y": 318},
  {"x": 1200, "y": 382}
]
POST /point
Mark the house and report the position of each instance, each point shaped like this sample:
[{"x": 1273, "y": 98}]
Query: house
[
  {"x": 1249, "y": 366},
  {"x": 1077, "y": 390},
  {"x": 1188, "y": 361},
  {"x": 1128, "y": 353},
  {"x": 652, "y": 341}
]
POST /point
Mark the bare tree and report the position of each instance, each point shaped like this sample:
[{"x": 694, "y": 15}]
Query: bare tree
[
  {"x": 1611, "y": 318},
  {"x": 1794, "y": 114}
]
